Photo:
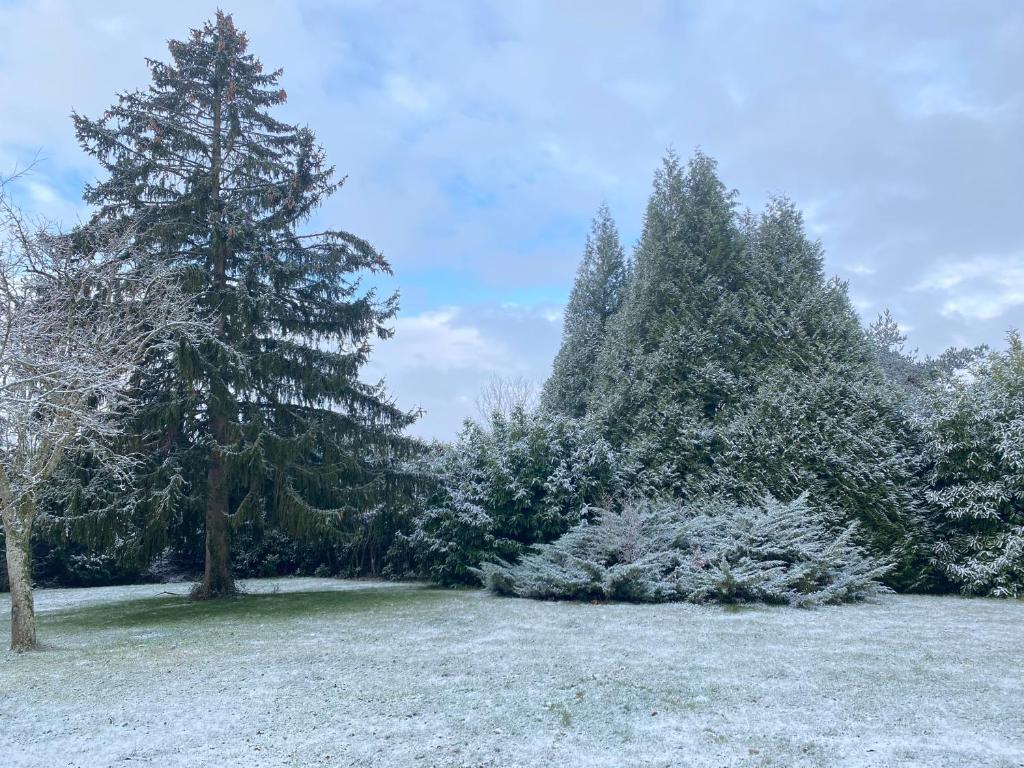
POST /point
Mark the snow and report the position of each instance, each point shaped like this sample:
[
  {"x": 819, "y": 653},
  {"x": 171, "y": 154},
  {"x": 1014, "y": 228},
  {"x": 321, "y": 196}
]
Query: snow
[{"x": 315, "y": 672}]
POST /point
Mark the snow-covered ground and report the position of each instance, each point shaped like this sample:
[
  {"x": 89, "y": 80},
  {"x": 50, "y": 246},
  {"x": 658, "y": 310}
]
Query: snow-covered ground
[{"x": 315, "y": 672}]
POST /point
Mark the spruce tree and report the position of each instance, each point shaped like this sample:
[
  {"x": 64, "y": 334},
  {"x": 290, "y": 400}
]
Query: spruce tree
[
  {"x": 595, "y": 298},
  {"x": 269, "y": 421}
]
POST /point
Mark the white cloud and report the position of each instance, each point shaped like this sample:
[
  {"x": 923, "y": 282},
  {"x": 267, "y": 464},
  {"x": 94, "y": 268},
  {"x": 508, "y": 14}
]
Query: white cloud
[
  {"x": 861, "y": 304},
  {"x": 439, "y": 341},
  {"x": 554, "y": 316},
  {"x": 439, "y": 360},
  {"x": 415, "y": 97},
  {"x": 41, "y": 194},
  {"x": 860, "y": 269},
  {"x": 982, "y": 288}
]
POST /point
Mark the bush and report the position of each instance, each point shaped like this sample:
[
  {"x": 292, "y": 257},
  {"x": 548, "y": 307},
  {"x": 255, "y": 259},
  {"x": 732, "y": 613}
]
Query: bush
[
  {"x": 716, "y": 551},
  {"x": 520, "y": 479}
]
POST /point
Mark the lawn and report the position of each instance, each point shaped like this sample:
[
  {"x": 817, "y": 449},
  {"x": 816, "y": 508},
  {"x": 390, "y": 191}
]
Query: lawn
[{"x": 317, "y": 672}]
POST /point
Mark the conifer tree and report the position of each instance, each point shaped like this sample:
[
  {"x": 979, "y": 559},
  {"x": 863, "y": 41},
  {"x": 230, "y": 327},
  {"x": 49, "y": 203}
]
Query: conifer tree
[
  {"x": 905, "y": 368},
  {"x": 660, "y": 366},
  {"x": 735, "y": 367},
  {"x": 976, "y": 482},
  {"x": 282, "y": 430},
  {"x": 817, "y": 413},
  {"x": 595, "y": 298}
]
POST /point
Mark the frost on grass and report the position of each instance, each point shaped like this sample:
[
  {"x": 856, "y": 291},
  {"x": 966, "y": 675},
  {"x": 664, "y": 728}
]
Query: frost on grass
[
  {"x": 715, "y": 551},
  {"x": 392, "y": 676}
]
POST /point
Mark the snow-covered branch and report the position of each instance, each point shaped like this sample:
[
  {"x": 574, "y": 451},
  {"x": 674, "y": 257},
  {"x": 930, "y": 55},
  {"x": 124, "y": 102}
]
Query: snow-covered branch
[{"x": 79, "y": 314}]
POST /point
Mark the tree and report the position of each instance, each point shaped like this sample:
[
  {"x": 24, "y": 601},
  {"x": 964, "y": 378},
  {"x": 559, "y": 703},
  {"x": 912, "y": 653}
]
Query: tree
[
  {"x": 522, "y": 477},
  {"x": 735, "y": 367},
  {"x": 814, "y": 411},
  {"x": 504, "y": 395},
  {"x": 672, "y": 322},
  {"x": 77, "y": 318},
  {"x": 905, "y": 368},
  {"x": 289, "y": 435},
  {"x": 976, "y": 484},
  {"x": 596, "y": 297}
]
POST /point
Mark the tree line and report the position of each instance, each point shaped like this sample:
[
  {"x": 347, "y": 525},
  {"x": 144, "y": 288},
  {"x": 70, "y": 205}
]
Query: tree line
[
  {"x": 720, "y": 364},
  {"x": 715, "y": 365}
]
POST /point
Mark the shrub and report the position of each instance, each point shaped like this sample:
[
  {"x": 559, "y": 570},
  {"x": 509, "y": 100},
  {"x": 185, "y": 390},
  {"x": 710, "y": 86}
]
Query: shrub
[
  {"x": 521, "y": 478},
  {"x": 713, "y": 551}
]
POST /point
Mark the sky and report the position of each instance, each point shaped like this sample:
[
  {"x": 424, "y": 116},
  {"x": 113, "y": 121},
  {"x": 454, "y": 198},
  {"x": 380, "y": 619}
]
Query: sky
[{"x": 479, "y": 138}]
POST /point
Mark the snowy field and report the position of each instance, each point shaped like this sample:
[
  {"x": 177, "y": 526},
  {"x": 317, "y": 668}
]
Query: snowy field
[{"x": 316, "y": 672}]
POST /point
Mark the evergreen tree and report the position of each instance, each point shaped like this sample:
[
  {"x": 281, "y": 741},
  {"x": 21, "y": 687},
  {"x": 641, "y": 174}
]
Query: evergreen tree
[
  {"x": 976, "y": 487},
  {"x": 735, "y": 367},
  {"x": 816, "y": 413},
  {"x": 661, "y": 367},
  {"x": 595, "y": 298},
  {"x": 903, "y": 367},
  {"x": 522, "y": 477},
  {"x": 709, "y": 551},
  {"x": 271, "y": 422}
]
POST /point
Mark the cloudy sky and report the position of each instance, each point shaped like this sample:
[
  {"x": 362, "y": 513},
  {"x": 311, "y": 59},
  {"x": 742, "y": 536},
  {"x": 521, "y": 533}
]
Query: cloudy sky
[{"x": 480, "y": 137}]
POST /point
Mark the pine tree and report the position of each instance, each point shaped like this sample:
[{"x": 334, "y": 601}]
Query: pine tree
[
  {"x": 270, "y": 422},
  {"x": 595, "y": 298},
  {"x": 905, "y": 368}
]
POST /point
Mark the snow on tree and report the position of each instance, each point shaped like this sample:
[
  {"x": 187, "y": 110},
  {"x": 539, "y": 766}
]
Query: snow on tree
[
  {"x": 78, "y": 315},
  {"x": 289, "y": 436},
  {"x": 522, "y": 477},
  {"x": 906, "y": 368},
  {"x": 671, "y": 317},
  {"x": 976, "y": 486},
  {"x": 734, "y": 366},
  {"x": 709, "y": 551},
  {"x": 596, "y": 296}
]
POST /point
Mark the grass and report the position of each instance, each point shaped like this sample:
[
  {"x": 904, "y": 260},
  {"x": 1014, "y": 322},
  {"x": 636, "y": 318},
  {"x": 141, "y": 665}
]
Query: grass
[
  {"x": 177, "y": 610},
  {"x": 311, "y": 672}
]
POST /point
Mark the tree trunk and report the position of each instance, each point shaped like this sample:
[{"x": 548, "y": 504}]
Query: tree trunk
[
  {"x": 18, "y": 535},
  {"x": 217, "y": 578}
]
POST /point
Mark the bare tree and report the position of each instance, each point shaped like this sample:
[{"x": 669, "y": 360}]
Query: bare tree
[
  {"x": 78, "y": 313},
  {"x": 503, "y": 394}
]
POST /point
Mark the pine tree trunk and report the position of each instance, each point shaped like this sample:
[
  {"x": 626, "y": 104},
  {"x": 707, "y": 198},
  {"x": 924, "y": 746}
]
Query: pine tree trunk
[
  {"x": 18, "y": 535},
  {"x": 217, "y": 578}
]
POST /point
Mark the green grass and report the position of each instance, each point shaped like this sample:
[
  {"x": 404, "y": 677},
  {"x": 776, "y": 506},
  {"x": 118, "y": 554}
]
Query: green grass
[{"x": 179, "y": 610}]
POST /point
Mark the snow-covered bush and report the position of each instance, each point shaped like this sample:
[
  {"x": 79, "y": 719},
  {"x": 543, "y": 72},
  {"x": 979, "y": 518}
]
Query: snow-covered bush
[
  {"x": 977, "y": 482},
  {"x": 712, "y": 551},
  {"x": 519, "y": 479}
]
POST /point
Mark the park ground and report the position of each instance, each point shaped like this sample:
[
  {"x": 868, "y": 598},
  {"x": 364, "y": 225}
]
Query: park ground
[{"x": 318, "y": 672}]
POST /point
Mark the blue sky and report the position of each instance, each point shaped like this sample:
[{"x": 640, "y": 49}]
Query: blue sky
[{"x": 479, "y": 138}]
